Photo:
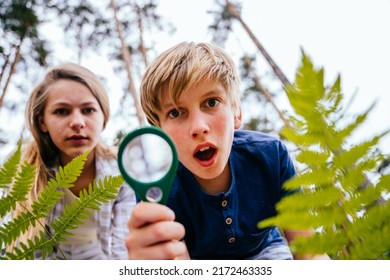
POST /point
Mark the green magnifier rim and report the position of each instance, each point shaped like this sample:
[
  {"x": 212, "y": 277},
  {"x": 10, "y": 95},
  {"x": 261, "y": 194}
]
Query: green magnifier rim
[{"x": 164, "y": 183}]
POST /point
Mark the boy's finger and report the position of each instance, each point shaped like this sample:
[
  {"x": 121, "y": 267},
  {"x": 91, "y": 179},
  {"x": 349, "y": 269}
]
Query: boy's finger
[
  {"x": 155, "y": 233},
  {"x": 148, "y": 212},
  {"x": 162, "y": 251}
]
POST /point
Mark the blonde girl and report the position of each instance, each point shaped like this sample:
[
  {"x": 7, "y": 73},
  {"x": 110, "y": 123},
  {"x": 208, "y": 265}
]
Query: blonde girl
[{"x": 66, "y": 113}]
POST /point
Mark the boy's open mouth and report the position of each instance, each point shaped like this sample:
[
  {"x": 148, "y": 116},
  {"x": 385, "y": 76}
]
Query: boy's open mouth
[{"x": 205, "y": 153}]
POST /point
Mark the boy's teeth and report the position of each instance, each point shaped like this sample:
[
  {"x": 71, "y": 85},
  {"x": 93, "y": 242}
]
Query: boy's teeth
[{"x": 204, "y": 149}]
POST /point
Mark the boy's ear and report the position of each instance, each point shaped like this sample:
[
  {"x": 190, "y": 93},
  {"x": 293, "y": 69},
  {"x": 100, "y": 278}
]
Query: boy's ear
[
  {"x": 237, "y": 120},
  {"x": 42, "y": 125}
]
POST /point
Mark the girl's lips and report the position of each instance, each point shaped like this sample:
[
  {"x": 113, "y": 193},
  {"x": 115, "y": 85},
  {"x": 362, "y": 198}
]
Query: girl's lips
[{"x": 77, "y": 139}]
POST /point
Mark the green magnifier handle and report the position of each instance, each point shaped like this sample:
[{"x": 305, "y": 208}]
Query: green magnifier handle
[{"x": 148, "y": 161}]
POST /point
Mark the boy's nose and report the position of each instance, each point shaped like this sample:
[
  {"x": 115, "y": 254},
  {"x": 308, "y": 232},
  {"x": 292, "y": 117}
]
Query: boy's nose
[
  {"x": 198, "y": 126},
  {"x": 77, "y": 120}
]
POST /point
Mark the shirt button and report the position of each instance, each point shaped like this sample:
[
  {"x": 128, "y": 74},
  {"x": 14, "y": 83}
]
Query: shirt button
[
  {"x": 232, "y": 240},
  {"x": 228, "y": 221},
  {"x": 224, "y": 203}
]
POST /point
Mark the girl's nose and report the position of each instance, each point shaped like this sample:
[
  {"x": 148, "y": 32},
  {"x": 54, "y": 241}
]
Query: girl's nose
[{"x": 77, "y": 120}]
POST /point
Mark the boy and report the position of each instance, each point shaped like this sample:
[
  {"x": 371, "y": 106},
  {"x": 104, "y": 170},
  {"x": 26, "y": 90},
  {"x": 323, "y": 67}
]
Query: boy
[{"x": 227, "y": 181}]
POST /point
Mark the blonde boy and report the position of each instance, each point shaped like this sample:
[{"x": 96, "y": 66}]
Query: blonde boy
[{"x": 228, "y": 179}]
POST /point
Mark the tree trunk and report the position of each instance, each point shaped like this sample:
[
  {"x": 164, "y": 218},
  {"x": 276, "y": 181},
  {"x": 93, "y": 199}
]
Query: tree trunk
[
  {"x": 127, "y": 61},
  {"x": 11, "y": 72},
  {"x": 141, "y": 39},
  {"x": 265, "y": 91},
  {"x": 278, "y": 72},
  {"x": 4, "y": 67}
]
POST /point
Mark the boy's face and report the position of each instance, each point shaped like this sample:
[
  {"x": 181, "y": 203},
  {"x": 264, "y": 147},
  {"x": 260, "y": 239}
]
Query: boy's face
[{"x": 202, "y": 127}]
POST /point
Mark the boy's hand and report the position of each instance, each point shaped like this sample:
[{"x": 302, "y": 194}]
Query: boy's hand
[{"x": 154, "y": 234}]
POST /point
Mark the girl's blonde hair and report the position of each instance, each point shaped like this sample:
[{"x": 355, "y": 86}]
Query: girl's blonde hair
[
  {"x": 180, "y": 68},
  {"x": 41, "y": 151}
]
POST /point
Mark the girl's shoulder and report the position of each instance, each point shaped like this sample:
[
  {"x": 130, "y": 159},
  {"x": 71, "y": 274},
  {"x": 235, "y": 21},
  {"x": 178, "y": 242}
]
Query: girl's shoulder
[{"x": 107, "y": 152}]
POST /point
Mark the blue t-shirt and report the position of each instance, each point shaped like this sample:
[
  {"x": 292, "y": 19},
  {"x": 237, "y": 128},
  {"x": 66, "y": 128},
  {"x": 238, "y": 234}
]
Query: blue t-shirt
[{"x": 224, "y": 225}]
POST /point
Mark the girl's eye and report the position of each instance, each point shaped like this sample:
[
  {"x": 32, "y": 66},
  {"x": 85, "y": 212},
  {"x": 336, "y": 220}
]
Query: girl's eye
[
  {"x": 89, "y": 110},
  {"x": 174, "y": 113},
  {"x": 212, "y": 102},
  {"x": 61, "y": 111}
]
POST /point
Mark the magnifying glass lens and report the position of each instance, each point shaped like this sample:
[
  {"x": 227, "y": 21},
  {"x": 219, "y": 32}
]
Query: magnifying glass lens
[
  {"x": 148, "y": 161},
  {"x": 147, "y": 158},
  {"x": 154, "y": 194}
]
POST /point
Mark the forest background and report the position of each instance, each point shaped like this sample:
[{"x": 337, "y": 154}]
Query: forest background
[{"x": 116, "y": 39}]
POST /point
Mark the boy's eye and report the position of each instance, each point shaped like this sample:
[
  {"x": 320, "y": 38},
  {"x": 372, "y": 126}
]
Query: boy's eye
[
  {"x": 174, "y": 113},
  {"x": 212, "y": 102}
]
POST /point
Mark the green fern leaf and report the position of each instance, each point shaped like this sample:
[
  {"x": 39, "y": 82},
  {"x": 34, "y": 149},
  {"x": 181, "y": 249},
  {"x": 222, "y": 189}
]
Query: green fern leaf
[
  {"x": 13, "y": 229},
  {"x": 20, "y": 189},
  {"x": 7, "y": 203},
  {"x": 315, "y": 158},
  {"x": 23, "y": 181},
  {"x": 79, "y": 210},
  {"x": 27, "y": 252},
  {"x": 64, "y": 178},
  {"x": 350, "y": 213},
  {"x": 10, "y": 167},
  {"x": 349, "y": 158},
  {"x": 384, "y": 183},
  {"x": 48, "y": 197},
  {"x": 346, "y": 132},
  {"x": 308, "y": 179}
]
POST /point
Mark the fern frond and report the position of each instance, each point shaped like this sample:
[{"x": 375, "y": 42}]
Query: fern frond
[
  {"x": 347, "y": 130},
  {"x": 350, "y": 213},
  {"x": 384, "y": 183},
  {"x": 20, "y": 188},
  {"x": 75, "y": 213},
  {"x": 65, "y": 178},
  {"x": 350, "y": 157},
  {"x": 27, "y": 251},
  {"x": 302, "y": 139},
  {"x": 10, "y": 167},
  {"x": 23, "y": 181},
  {"x": 315, "y": 158},
  {"x": 319, "y": 243},
  {"x": 13, "y": 229},
  {"x": 310, "y": 178},
  {"x": 46, "y": 200},
  {"x": 41, "y": 208},
  {"x": 7, "y": 203}
]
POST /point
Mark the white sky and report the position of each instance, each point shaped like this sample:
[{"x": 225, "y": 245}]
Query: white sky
[
  {"x": 350, "y": 37},
  {"x": 347, "y": 37}
]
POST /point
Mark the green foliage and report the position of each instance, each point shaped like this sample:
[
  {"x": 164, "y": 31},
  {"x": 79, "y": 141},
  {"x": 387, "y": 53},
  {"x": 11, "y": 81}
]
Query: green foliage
[
  {"x": 17, "y": 178},
  {"x": 340, "y": 193}
]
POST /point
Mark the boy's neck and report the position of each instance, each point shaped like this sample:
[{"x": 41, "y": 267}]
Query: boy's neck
[{"x": 216, "y": 185}]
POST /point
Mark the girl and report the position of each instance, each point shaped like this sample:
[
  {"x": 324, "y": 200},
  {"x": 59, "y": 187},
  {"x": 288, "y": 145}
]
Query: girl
[{"x": 66, "y": 113}]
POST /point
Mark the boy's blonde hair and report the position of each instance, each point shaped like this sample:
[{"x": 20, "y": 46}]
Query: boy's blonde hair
[{"x": 182, "y": 67}]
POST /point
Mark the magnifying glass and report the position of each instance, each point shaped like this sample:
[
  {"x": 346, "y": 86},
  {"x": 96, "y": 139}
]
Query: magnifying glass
[{"x": 148, "y": 161}]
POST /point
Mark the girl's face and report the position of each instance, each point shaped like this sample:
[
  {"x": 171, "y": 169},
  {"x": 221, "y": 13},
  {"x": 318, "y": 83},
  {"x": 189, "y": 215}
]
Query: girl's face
[
  {"x": 202, "y": 127},
  {"x": 73, "y": 118}
]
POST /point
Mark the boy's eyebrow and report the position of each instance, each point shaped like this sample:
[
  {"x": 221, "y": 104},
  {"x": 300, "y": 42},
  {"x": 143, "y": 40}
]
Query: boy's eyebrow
[
  {"x": 166, "y": 105},
  {"x": 206, "y": 94}
]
